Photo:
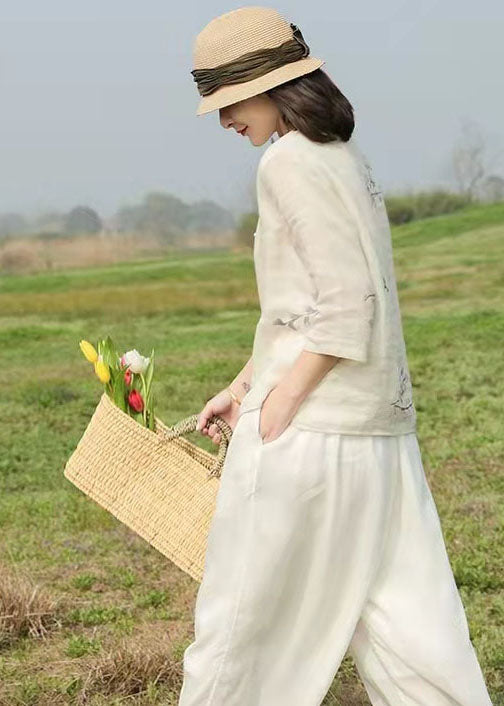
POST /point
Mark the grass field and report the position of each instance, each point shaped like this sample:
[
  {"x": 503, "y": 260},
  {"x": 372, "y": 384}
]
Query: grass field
[{"x": 111, "y": 617}]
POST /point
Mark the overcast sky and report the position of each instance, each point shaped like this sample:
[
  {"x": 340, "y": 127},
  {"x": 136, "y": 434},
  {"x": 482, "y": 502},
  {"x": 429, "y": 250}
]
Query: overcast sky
[{"x": 98, "y": 103}]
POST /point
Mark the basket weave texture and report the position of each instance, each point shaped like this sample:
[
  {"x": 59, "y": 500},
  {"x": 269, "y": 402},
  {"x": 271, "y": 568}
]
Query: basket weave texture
[{"x": 159, "y": 485}]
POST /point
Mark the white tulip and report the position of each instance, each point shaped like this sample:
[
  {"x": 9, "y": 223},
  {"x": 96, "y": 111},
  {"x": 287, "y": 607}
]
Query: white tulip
[{"x": 137, "y": 363}]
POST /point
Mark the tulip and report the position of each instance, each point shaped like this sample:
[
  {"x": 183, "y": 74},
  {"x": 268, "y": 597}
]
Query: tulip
[
  {"x": 102, "y": 370},
  {"x": 89, "y": 351},
  {"x": 137, "y": 363},
  {"x": 135, "y": 401},
  {"x": 128, "y": 376}
]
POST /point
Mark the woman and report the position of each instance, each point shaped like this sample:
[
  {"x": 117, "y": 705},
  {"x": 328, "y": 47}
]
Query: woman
[{"x": 325, "y": 536}]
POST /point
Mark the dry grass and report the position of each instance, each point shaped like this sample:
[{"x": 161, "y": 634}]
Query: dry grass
[
  {"x": 26, "y": 610},
  {"x": 130, "y": 669},
  {"x": 28, "y": 255}
]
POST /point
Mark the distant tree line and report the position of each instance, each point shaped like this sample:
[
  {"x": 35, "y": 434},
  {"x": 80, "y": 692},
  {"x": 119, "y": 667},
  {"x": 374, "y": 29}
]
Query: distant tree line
[
  {"x": 160, "y": 213},
  {"x": 167, "y": 215}
]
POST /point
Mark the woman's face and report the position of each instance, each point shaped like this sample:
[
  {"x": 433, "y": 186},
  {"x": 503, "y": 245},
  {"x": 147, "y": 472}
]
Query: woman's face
[{"x": 256, "y": 118}]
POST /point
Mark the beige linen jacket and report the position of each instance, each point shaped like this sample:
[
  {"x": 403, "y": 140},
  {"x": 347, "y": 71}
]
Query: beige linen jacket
[{"x": 326, "y": 283}]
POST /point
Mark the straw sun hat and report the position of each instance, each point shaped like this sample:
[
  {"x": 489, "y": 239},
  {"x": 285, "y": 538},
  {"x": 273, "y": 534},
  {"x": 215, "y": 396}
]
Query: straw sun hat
[{"x": 246, "y": 52}]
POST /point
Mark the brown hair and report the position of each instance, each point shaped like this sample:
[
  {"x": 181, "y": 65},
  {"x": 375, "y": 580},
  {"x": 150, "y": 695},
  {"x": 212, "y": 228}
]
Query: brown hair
[{"x": 315, "y": 106}]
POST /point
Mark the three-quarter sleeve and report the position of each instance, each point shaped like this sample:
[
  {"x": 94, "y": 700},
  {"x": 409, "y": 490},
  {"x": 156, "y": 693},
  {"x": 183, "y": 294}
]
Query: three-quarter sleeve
[{"x": 326, "y": 238}]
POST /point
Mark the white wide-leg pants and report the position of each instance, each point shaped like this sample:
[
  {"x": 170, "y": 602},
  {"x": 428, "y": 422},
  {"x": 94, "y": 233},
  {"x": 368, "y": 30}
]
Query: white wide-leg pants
[{"x": 322, "y": 543}]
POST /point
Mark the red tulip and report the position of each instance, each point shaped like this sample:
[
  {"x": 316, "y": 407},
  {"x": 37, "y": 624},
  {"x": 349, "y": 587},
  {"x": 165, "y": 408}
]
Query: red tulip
[
  {"x": 135, "y": 401},
  {"x": 127, "y": 376}
]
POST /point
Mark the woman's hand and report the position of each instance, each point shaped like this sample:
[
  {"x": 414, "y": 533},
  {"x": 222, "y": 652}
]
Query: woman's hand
[
  {"x": 223, "y": 405},
  {"x": 276, "y": 413}
]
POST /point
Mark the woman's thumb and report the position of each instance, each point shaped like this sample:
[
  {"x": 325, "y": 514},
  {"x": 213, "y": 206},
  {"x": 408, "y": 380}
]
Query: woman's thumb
[{"x": 203, "y": 417}]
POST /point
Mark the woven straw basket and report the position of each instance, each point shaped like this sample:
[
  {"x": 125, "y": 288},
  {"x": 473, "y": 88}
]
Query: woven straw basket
[{"x": 159, "y": 484}]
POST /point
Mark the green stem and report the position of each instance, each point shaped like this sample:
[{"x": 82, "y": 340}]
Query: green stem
[{"x": 144, "y": 395}]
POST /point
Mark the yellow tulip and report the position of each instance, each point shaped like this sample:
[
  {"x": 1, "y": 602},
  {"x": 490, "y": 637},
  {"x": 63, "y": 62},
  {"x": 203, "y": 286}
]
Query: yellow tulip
[
  {"x": 102, "y": 371},
  {"x": 89, "y": 351}
]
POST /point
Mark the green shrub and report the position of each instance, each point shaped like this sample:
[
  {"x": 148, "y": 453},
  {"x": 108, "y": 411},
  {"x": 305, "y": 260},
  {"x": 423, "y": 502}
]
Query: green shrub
[{"x": 403, "y": 208}]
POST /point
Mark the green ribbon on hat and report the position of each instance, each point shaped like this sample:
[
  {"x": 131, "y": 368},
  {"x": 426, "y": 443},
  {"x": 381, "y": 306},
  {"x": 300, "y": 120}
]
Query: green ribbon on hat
[{"x": 252, "y": 64}]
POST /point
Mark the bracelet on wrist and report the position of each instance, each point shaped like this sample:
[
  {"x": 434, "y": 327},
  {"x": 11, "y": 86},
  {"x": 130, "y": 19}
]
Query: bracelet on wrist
[{"x": 233, "y": 396}]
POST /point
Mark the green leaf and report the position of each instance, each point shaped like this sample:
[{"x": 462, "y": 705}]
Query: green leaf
[
  {"x": 120, "y": 400},
  {"x": 110, "y": 355},
  {"x": 137, "y": 416},
  {"x": 151, "y": 418},
  {"x": 150, "y": 371},
  {"x": 148, "y": 376},
  {"x": 116, "y": 378},
  {"x": 120, "y": 393},
  {"x": 150, "y": 421}
]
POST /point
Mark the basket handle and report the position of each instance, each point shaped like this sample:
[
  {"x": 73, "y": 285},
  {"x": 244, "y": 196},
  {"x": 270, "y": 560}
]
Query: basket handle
[{"x": 188, "y": 424}]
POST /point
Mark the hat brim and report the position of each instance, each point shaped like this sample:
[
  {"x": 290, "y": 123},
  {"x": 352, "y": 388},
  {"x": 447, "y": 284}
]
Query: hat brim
[{"x": 232, "y": 93}]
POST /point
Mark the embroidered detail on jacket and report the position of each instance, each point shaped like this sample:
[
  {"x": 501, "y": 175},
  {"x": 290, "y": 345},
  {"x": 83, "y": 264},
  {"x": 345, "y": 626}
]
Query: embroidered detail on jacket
[
  {"x": 367, "y": 296},
  {"x": 404, "y": 387},
  {"x": 371, "y": 185},
  {"x": 294, "y": 318}
]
